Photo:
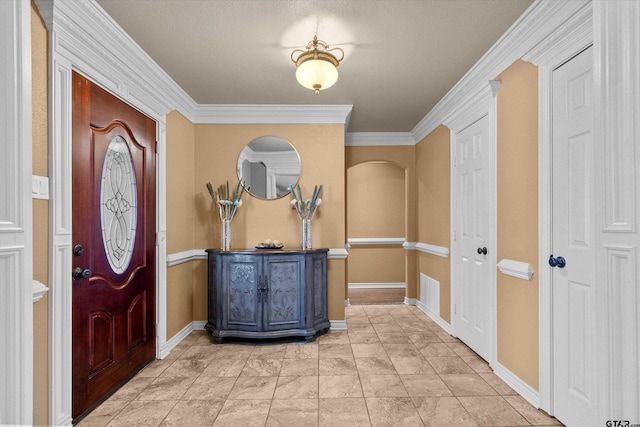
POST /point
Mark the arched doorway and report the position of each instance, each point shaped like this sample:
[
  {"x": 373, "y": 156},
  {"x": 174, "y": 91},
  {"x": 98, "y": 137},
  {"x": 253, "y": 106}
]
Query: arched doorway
[{"x": 376, "y": 204}]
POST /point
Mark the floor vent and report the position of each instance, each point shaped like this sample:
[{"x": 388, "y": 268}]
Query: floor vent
[{"x": 430, "y": 295}]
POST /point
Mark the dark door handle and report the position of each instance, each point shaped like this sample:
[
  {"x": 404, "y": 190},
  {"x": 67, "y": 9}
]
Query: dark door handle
[
  {"x": 559, "y": 262},
  {"x": 77, "y": 250},
  {"x": 482, "y": 251},
  {"x": 79, "y": 273}
]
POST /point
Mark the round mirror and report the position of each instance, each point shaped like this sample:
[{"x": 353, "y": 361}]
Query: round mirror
[{"x": 268, "y": 165}]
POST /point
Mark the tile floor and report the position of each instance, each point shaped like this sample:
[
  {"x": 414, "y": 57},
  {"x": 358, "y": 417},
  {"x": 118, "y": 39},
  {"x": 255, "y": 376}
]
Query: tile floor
[{"x": 393, "y": 367}]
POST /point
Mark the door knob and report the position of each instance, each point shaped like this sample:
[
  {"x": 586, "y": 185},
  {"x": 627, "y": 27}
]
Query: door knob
[
  {"x": 77, "y": 250},
  {"x": 482, "y": 251},
  {"x": 79, "y": 273},
  {"x": 559, "y": 262}
]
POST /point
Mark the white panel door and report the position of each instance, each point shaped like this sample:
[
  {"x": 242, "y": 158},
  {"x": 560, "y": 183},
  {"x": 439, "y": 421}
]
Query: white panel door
[
  {"x": 472, "y": 309},
  {"x": 573, "y": 287}
]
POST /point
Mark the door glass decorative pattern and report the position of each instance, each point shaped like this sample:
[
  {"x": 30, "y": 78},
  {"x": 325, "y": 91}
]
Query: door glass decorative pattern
[{"x": 118, "y": 208}]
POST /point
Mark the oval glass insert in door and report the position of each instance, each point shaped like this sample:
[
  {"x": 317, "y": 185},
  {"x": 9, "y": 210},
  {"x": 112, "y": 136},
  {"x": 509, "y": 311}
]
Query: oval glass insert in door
[{"x": 118, "y": 208}]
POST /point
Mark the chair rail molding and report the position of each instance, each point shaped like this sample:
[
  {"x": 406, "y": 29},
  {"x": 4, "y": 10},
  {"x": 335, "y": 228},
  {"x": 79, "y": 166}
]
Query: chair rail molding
[
  {"x": 185, "y": 256},
  {"x": 427, "y": 248},
  {"x": 521, "y": 270}
]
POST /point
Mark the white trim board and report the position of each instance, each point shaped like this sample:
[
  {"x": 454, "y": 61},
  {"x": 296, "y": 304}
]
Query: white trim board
[
  {"x": 521, "y": 270},
  {"x": 370, "y": 241},
  {"x": 438, "y": 320},
  {"x": 426, "y": 248},
  {"x": 16, "y": 221},
  {"x": 185, "y": 256},
  {"x": 389, "y": 285}
]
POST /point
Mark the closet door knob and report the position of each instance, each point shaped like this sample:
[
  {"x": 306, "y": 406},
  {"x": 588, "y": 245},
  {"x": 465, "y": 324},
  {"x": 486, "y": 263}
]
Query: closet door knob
[{"x": 482, "y": 251}]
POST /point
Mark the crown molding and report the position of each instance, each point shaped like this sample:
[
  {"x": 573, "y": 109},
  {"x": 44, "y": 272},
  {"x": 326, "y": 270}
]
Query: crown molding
[
  {"x": 542, "y": 19},
  {"x": 272, "y": 114},
  {"x": 369, "y": 139}
]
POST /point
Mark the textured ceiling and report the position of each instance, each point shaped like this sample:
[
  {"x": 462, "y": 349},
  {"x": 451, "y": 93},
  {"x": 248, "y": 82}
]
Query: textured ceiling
[{"x": 401, "y": 56}]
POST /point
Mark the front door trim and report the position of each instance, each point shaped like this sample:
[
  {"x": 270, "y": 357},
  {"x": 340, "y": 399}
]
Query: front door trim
[
  {"x": 560, "y": 46},
  {"x": 136, "y": 80}
]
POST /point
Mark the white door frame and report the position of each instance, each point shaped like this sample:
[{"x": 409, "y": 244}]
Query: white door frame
[
  {"x": 559, "y": 47},
  {"x": 481, "y": 104},
  {"x": 82, "y": 39},
  {"x": 16, "y": 222}
]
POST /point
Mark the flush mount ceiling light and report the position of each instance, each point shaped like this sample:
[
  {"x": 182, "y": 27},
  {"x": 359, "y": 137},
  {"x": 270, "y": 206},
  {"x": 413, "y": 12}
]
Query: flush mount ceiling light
[{"x": 317, "y": 66}]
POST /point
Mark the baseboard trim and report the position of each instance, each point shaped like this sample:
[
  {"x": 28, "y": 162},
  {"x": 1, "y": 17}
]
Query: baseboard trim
[
  {"x": 439, "y": 320},
  {"x": 175, "y": 340},
  {"x": 338, "y": 325},
  {"x": 513, "y": 381},
  {"x": 390, "y": 285},
  {"x": 409, "y": 301}
]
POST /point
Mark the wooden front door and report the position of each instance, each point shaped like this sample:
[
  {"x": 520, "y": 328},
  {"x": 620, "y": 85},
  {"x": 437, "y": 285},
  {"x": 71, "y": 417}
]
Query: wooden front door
[{"x": 114, "y": 228}]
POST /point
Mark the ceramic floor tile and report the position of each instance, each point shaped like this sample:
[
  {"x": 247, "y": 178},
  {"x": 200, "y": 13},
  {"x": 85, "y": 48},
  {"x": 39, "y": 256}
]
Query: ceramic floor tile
[
  {"x": 185, "y": 368},
  {"x": 337, "y": 366},
  {"x": 104, "y": 413},
  {"x": 330, "y": 351},
  {"x": 299, "y": 413},
  {"x": 155, "y": 368},
  {"x": 392, "y": 411},
  {"x": 412, "y": 365},
  {"x": 492, "y": 410},
  {"x": 138, "y": 413},
  {"x": 233, "y": 351},
  {"x": 477, "y": 363},
  {"x": 375, "y": 366},
  {"x": 467, "y": 385},
  {"x": 394, "y": 338},
  {"x": 334, "y": 337},
  {"x": 423, "y": 337},
  {"x": 299, "y": 367},
  {"x": 301, "y": 351},
  {"x": 253, "y": 388},
  {"x": 166, "y": 388},
  {"x": 368, "y": 350},
  {"x": 436, "y": 349},
  {"x": 498, "y": 385},
  {"x": 210, "y": 388},
  {"x": 382, "y": 386},
  {"x": 394, "y": 366},
  {"x": 262, "y": 368},
  {"x": 443, "y": 412},
  {"x": 362, "y": 327},
  {"x": 224, "y": 368},
  {"x": 268, "y": 352},
  {"x": 304, "y": 387},
  {"x": 401, "y": 350},
  {"x": 363, "y": 338},
  {"x": 193, "y": 413},
  {"x": 132, "y": 389},
  {"x": 340, "y": 386},
  {"x": 343, "y": 412},
  {"x": 243, "y": 413},
  {"x": 425, "y": 385},
  {"x": 449, "y": 365},
  {"x": 201, "y": 352},
  {"x": 531, "y": 414}
]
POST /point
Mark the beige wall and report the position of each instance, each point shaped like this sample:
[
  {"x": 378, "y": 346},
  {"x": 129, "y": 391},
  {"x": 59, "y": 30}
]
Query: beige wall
[
  {"x": 180, "y": 221},
  {"x": 404, "y": 158},
  {"x": 517, "y": 157},
  {"x": 39, "y": 44},
  {"x": 376, "y": 200},
  {"x": 321, "y": 150},
  {"x": 433, "y": 210},
  {"x": 376, "y": 264}
]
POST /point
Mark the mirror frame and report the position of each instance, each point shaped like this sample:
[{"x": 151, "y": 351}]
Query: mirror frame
[{"x": 275, "y": 165}]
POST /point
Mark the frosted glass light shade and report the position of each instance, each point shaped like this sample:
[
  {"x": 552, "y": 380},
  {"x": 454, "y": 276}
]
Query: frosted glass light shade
[{"x": 317, "y": 74}]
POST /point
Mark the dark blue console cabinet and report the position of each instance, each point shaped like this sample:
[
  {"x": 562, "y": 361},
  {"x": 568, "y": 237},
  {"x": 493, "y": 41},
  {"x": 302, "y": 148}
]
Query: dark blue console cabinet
[{"x": 267, "y": 293}]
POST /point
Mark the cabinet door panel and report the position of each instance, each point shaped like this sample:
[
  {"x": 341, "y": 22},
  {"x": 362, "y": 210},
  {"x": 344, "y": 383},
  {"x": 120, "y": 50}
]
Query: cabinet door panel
[
  {"x": 242, "y": 310},
  {"x": 283, "y": 306},
  {"x": 319, "y": 281}
]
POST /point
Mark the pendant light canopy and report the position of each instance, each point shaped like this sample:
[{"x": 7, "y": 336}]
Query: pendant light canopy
[{"x": 317, "y": 66}]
